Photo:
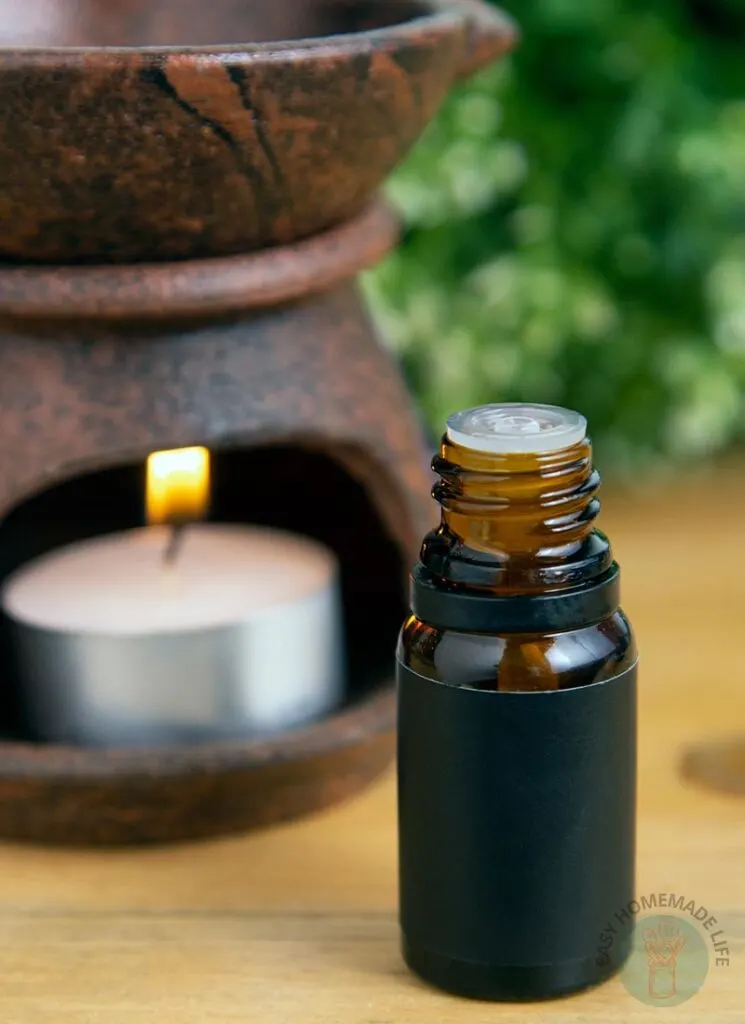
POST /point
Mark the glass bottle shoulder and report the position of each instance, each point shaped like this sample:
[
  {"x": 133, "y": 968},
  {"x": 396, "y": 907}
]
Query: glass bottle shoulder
[{"x": 520, "y": 662}]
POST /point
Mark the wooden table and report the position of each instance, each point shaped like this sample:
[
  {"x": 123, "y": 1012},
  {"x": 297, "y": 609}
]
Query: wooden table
[{"x": 299, "y": 924}]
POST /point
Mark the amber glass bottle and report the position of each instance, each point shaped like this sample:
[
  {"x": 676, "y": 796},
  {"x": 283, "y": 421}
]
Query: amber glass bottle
[
  {"x": 518, "y": 523},
  {"x": 516, "y": 676}
]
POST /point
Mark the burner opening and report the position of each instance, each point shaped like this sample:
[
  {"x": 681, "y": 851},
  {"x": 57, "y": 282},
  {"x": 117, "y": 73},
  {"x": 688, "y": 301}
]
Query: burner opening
[{"x": 304, "y": 490}]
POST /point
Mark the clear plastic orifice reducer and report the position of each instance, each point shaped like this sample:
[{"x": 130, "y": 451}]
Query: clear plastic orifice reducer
[{"x": 517, "y": 719}]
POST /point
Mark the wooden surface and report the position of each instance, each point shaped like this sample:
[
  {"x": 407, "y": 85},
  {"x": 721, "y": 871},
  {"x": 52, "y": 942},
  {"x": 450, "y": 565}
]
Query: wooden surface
[{"x": 299, "y": 924}]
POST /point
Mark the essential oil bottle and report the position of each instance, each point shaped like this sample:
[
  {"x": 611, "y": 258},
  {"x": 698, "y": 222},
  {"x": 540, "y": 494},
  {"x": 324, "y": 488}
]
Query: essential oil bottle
[{"x": 517, "y": 718}]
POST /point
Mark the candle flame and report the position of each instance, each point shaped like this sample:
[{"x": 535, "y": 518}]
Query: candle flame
[{"x": 178, "y": 485}]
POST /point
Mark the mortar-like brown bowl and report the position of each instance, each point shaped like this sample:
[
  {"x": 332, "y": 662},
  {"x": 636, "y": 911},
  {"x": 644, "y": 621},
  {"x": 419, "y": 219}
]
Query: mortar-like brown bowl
[{"x": 143, "y": 130}]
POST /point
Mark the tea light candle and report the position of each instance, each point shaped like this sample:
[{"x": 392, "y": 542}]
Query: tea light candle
[
  {"x": 118, "y": 644},
  {"x": 241, "y": 634}
]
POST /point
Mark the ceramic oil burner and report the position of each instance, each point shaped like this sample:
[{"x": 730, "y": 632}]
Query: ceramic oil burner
[{"x": 185, "y": 203}]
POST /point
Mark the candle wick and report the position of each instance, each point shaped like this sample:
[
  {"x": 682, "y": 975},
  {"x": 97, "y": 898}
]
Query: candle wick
[{"x": 175, "y": 543}]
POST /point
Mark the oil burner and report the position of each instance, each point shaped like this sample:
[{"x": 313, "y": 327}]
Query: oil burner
[{"x": 185, "y": 203}]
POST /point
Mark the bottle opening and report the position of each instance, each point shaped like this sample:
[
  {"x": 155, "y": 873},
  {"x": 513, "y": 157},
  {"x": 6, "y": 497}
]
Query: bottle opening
[{"x": 516, "y": 427}]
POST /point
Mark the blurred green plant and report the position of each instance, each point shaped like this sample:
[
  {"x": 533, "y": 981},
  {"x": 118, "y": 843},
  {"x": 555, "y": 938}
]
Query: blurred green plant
[{"x": 575, "y": 230}]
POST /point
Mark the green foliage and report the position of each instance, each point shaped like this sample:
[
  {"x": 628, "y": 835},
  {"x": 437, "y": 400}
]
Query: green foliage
[{"x": 576, "y": 229}]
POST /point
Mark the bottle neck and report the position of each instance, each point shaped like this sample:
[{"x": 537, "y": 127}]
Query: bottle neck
[{"x": 516, "y": 523}]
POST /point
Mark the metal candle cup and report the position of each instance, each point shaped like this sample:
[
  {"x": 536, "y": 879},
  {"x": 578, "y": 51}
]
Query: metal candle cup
[
  {"x": 180, "y": 632},
  {"x": 241, "y": 635}
]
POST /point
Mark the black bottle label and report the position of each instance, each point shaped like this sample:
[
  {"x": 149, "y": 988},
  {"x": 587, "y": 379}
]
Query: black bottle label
[{"x": 516, "y": 819}]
